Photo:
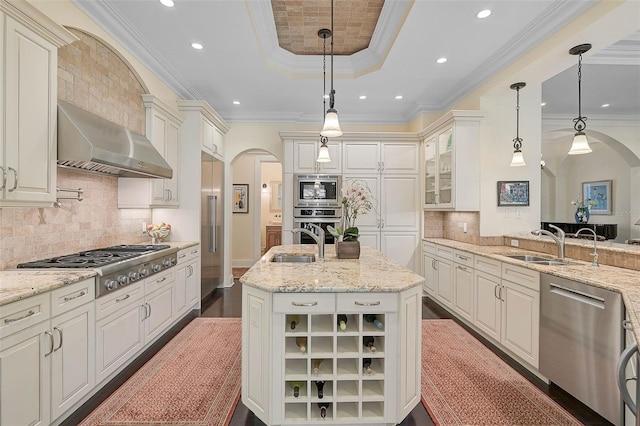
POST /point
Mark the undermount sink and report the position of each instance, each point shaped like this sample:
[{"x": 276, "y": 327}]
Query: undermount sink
[
  {"x": 294, "y": 258},
  {"x": 538, "y": 260}
]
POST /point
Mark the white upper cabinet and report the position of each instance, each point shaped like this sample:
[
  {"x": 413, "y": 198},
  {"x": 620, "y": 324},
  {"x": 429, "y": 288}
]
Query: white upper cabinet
[
  {"x": 380, "y": 157},
  {"x": 305, "y": 153},
  {"x": 452, "y": 162},
  {"x": 204, "y": 124},
  {"x": 28, "y": 82}
]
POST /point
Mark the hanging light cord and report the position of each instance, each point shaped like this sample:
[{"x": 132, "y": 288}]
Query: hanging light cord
[
  {"x": 579, "y": 124},
  {"x": 323, "y": 139},
  {"x": 517, "y": 142},
  {"x": 332, "y": 93}
]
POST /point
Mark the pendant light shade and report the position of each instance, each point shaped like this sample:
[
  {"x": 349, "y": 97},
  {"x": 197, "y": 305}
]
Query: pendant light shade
[
  {"x": 580, "y": 144},
  {"x": 331, "y": 128},
  {"x": 518, "y": 159},
  {"x": 323, "y": 154}
]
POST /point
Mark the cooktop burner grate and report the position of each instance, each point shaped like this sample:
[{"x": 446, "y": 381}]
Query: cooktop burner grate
[{"x": 94, "y": 258}]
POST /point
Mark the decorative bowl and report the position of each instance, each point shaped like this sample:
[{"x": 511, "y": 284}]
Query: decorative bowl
[{"x": 159, "y": 235}]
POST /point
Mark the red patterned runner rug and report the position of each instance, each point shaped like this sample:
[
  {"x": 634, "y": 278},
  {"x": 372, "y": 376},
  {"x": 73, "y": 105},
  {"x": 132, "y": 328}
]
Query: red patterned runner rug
[
  {"x": 464, "y": 383},
  {"x": 193, "y": 380}
]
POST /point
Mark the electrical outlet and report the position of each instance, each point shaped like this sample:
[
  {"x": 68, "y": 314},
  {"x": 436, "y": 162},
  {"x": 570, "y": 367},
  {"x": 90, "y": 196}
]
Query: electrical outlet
[
  {"x": 464, "y": 227},
  {"x": 514, "y": 243}
]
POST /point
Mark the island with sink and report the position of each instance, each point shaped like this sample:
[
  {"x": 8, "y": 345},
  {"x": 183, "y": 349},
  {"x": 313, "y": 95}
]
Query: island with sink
[{"x": 330, "y": 340}]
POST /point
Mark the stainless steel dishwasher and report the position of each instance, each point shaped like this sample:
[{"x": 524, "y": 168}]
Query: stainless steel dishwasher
[{"x": 581, "y": 339}]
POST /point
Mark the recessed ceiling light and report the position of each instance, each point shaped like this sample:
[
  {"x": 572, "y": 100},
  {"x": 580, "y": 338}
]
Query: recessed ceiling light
[
  {"x": 543, "y": 104},
  {"x": 441, "y": 60},
  {"x": 362, "y": 97},
  {"x": 236, "y": 102},
  {"x": 605, "y": 105},
  {"x": 483, "y": 13},
  {"x": 399, "y": 97},
  {"x": 168, "y": 3},
  {"x": 196, "y": 46}
]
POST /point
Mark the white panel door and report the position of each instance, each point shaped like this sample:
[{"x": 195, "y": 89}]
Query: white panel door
[
  {"x": 487, "y": 308},
  {"x": 371, "y": 221},
  {"x": 520, "y": 321},
  {"x": 172, "y": 155},
  {"x": 158, "y": 138},
  {"x": 304, "y": 157},
  {"x": 400, "y": 203},
  {"x": 400, "y": 158},
  {"x": 361, "y": 157},
  {"x": 160, "y": 312},
  {"x": 445, "y": 293},
  {"x": 430, "y": 276},
  {"x": 370, "y": 239},
  {"x": 463, "y": 285},
  {"x": 403, "y": 247}
]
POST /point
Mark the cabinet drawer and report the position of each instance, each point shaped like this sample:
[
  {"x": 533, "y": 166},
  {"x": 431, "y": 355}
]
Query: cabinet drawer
[
  {"x": 523, "y": 276},
  {"x": 159, "y": 280},
  {"x": 444, "y": 252},
  {"x": 367, "y": 302},
  {"x": 490, "y": 266},
  {"x": 428, "y": 247},
  {"x": 187, "y": 254},
  {"x": 463, "y": 258},
  {"x": 19, "y": 315},
  {"x": 71, "y": 296},
  {"x": 124, "y": 297},
  {"x": 311, "y": 303}
]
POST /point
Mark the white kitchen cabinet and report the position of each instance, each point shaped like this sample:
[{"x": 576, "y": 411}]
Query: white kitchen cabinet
[
  {"x": 395, "y": 216},
  {"x": 51, "y": 360},
  {"x": 487, "y": 305},
  {"x": 204, "y": 124},
  {"x": 444, "y": 287},
  {"x": 158, "y": 304},
  {"x": 163, "y": 130},
  {"x": 28, "y": 111},
  {"x": 439, "y": 271},
  {"x": 383, "y": 396},
  {"x": 429, "y": 268},
  {"x": 305, "y": 153},
  {"x": 463, "y": 284},
  {"x": 187, "y": 287},
  {"x": 452, "y": 162},
  {"x": 380, "y": 157}
]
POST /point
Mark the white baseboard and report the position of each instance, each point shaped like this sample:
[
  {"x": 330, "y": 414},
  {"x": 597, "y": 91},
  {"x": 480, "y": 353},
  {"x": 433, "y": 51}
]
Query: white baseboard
[{"x": 242, "y": 263}]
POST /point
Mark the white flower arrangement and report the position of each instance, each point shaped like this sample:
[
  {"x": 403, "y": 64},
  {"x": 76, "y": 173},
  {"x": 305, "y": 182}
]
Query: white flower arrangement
[
  {"x": 357, "y": 200},
  {"x": 581, "y": 203}
]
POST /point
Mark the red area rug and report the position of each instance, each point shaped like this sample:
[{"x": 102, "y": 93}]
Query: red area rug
[
  {"x": 464, "y": 383},
  {"x": 193, "y": 380}
]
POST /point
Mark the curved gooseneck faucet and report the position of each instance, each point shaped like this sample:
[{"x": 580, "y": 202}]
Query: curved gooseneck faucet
[
  {"x": 595, "y": 250},
  {"x": 319, "y": 238},
  {"x": 559, "y": 239}
]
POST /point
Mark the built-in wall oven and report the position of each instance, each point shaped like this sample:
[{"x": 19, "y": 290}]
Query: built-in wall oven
[
  {"x": 322, "y": 217},
  {"x": 317, "y": 190}
]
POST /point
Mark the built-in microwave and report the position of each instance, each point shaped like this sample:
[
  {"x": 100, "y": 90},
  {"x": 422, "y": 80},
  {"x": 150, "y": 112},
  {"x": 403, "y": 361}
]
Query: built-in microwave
[{"x": 317, "y": 190}]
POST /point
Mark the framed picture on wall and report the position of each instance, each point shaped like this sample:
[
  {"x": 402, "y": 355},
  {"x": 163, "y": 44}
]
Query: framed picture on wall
[
  {"x": 240, "y": 198},
  {"x": 600, "y": 194},
  {"x": 513, "y": 193}
]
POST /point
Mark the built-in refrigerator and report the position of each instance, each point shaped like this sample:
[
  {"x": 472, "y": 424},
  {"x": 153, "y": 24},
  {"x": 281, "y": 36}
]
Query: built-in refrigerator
[{"x": 211, "y": 226}]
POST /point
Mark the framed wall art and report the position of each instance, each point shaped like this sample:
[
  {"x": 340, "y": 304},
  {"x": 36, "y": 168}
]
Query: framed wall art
[
  {"x": 240, "y": 198},
  {"x": 513, "y": 193},
  {"x": 600, "y": 195}
]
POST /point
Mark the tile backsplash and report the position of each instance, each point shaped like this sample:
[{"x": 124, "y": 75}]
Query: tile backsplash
[{"x": 28, "y": 234}]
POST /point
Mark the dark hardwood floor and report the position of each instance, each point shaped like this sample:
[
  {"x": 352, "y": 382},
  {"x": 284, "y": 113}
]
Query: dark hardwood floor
[{"x": 227, "y": 303}]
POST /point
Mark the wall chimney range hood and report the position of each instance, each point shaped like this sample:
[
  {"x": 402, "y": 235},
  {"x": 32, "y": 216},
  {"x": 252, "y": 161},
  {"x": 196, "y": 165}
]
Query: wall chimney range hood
[{"x": 91, "y": 143}]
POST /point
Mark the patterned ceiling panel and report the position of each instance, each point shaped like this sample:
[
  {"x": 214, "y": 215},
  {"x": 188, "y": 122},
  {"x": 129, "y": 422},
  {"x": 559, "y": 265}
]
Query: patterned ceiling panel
[{"x": 298, "y": 21}]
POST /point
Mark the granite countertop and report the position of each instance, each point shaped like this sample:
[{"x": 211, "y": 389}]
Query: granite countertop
[
  {"x": 17, "y": 284},
  {"x": 373, "y": 272},
  {"x": 623, "y": 281}
]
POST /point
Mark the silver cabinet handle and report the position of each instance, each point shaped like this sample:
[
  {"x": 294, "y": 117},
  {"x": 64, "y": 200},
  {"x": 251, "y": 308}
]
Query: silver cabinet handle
[
  {"x": 146, "y": 312},
  {"x": 383, "y": 223},
  {"x": 194, "y": 252},
  {"x": 435, "y": 264},
  {"x": 495, "y": 291},
  {"x": 67, "y": 299},
  {"x": 382, "y": 167},
  {"x": 304, "y": 304},
  {"x": 500, "y": 293},
  {"x": 123, "y": 298},
  {"x": 378, "y": 166},
  {"x": 48, "y": 333},
  {"x": 149, "y": 310},
  {"x": 367, "y": 304},
  {"x": 4, "y": 178},
  {"x": 161, "y": 280},
  {"x": 15, "y": 175},
  {"x": 60, "y": 333},
  {"x": 10, "y": 320},
  {"x": 190, "y": 270},
  {"x": 463, "y": 257},
  {"x": 182, "y": 256},
  {"x": 462, "y": 268}
]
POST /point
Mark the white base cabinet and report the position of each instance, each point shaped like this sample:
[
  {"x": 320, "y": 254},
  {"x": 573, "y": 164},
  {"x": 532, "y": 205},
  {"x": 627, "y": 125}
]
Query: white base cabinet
[
  {"x": 187, "y": 292},
  {"x": 46, "y": 354},
  {"x": 382, "y": 394}
]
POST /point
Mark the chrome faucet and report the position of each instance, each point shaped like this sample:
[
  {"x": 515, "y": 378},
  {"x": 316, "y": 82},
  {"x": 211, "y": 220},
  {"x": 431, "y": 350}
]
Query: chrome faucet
[
  {"x": 595, "y": 250},
  {"x": 319, "y": 238},
  {"x": 559, "y": 239}
]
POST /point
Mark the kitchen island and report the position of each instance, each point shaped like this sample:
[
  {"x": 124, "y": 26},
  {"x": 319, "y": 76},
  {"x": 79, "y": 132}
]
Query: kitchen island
[{"x": 305, "y": 334}]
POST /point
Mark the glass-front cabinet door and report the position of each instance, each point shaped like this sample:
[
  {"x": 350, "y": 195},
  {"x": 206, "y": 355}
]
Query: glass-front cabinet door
[
  {"x": 430, "y": 171},
  {"x": 445, "y": 168}
]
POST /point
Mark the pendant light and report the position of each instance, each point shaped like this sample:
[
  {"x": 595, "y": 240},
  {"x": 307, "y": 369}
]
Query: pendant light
[
  {"x": 331, "y": 128},
  {"x": 580, "y": 144},
  {"x": 323, "y": 154},
  {"x": 518, "y": 159}
]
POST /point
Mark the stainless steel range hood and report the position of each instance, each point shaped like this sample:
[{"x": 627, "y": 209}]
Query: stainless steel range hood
[{"x": 91, "y": 143}]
